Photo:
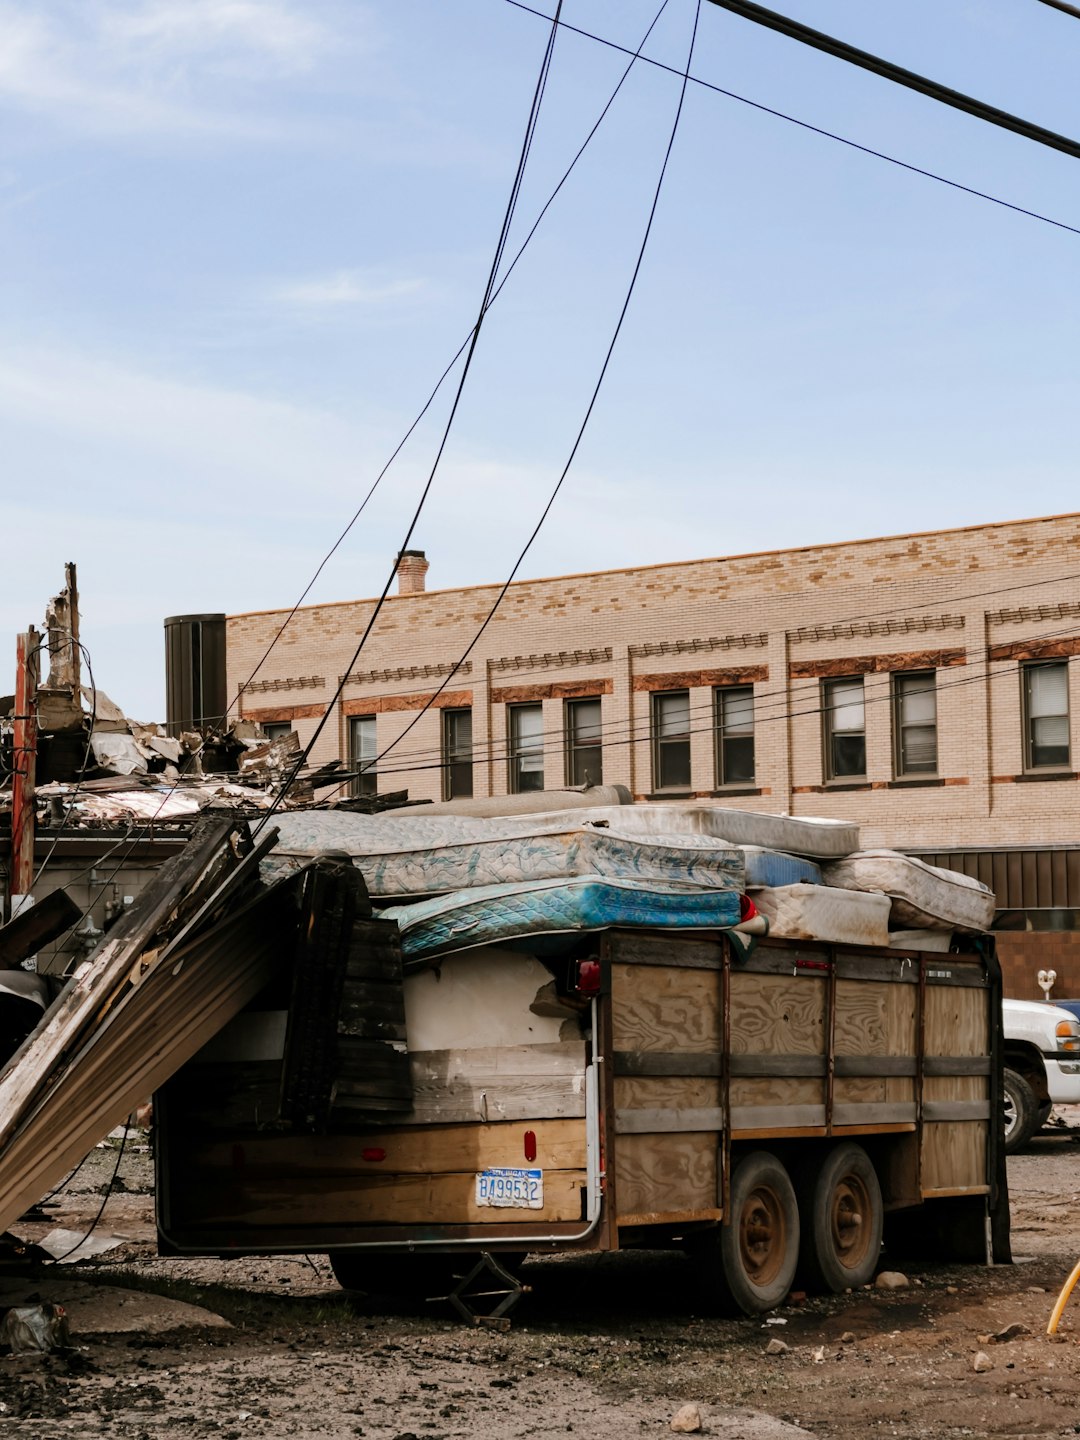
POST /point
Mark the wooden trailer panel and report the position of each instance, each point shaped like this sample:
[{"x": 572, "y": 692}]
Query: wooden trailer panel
[{"x": 956, "y": 1079}]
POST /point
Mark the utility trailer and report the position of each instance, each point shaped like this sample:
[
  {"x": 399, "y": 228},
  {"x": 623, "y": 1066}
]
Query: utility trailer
[{"x": 769, "y": 1107}]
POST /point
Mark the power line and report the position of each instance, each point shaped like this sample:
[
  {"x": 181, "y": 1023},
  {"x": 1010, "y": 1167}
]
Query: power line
[
  {"x": 813, "y": 129},
  {"x": 456, "y": 357},
  {"x": 888, "y": 70},
  {"x": 504, "y": 231},
  {"x": 592, "y": 399},
  {"x": 1063, "y": 7}
]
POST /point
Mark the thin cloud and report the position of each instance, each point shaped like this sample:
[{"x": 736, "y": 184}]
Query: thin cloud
[
  {"x": 344, "y": 288},
  {"x": 173, "y": 66}
]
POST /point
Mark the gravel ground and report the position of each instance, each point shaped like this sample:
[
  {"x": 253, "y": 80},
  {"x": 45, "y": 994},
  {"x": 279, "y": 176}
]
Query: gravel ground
[{"x": 605, "y": 1346}]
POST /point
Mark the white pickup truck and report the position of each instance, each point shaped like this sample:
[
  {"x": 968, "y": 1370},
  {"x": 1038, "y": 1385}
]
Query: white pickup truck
[{"x": 1042, "y": 1066}]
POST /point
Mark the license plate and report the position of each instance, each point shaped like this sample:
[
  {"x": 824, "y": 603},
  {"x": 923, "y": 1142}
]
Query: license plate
[{"x": 516, "y": 1189}]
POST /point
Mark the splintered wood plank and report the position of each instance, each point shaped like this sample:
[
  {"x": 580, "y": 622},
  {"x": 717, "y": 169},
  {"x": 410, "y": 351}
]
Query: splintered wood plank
[
  {"x": 241, "y": 1203},
  {"x": 510, "y": 1082},
  {"x": 412, "y": 1150},
  {"x": 957, "y": 1022},
  {"x": 659, "y": 1008},
  {"x": 664, "y": 1173},
  {"x": 777, "y": 1014},
  {"x": 953, "y": 1155}
]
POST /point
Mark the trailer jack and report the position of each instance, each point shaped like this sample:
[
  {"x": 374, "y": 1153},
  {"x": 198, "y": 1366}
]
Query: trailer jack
[{"x": 488, "y": 1306}]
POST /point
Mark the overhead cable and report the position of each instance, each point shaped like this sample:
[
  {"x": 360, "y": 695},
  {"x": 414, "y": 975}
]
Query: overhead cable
[
  {"x": 813, "y": 129},
  {"x": 592, "y": 398},
  {"x": 515, "y": 190},
  {"x": 888, "y": 70}
]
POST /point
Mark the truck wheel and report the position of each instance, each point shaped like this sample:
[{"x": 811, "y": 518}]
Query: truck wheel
[
  {"x": 1021, "y": 1111},
  {"x": 842, "y": 1220},
  {"x": 407, "y": 1276},
  {"x": 757, "y": 1252}
]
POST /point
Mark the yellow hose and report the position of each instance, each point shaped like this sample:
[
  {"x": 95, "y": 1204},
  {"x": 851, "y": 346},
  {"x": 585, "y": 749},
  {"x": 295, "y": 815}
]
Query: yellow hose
[{"x": 1063, "y": 1298}]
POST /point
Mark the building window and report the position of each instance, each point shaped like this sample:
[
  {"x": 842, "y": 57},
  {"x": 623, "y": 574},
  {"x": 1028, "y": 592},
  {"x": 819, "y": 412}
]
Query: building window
[
  {"x": 526, "y": 748},
  {"x": 362, "y": 754},
  {"x": 845, "y": 729},
  {"x": 277, "y": 729},
  {"x": 584, "y": 753},
  {"x": 915, "y": 723},
  {"x": 671, "y": 740},
  {"x": 735, "y": 735},
  {"x": 457, "y": 754},
  {"x": 1046, "y": 715}
]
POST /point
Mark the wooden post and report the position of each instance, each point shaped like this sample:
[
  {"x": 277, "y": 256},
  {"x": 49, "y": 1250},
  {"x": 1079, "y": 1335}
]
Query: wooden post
[{"x": 24, "y": 761}]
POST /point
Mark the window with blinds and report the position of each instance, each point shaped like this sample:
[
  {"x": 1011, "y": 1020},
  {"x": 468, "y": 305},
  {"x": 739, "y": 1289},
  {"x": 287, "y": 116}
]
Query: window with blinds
[
  {"x": 735, "y": 735},
  {"x": 584, "y": 748},
  {"x": 363, "y": 752},
  {"x": 526, "y": 748},
  {"x": 1046, "y": 715},
  {"x": 671, "y": 740},
  {"x": 915, "y": 723},
  {"x": 844, "y": 717}
]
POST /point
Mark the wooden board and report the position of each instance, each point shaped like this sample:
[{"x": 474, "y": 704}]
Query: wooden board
[
  {"x": 777, "y": 1014},
  {"x": 648, "y": 1092},
  {"x": 657, "y": 1008},
  {"x": 509, "y": 1082},
  {"x": 240, "y": 1203},
  {"x": 956, "y": 1021},
  {"x": 953, "y": 1155},
  {"x": 666, "y": 1173},
  {"x": 415, "y": 1150},
  {"x": 777, "y": 1090}
]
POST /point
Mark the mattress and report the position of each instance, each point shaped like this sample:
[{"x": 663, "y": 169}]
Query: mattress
[
  {"x": 816, "y": 912},
  {"x": 923, "y": 896},
  {"x": 773, "y": 867},
  {"x": 433, "y": 856},
  {"x": 934, "y": 940},
  {"x": 797, "y": 835},
  {"x": 495, "y": 913}
]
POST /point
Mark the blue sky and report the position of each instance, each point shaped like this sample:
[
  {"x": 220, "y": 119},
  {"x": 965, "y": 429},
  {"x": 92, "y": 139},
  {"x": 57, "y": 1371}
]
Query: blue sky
[{"x": 239, "y": 240}]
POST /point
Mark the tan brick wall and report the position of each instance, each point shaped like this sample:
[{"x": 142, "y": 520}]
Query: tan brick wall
[{"x": 782, "y": 620}]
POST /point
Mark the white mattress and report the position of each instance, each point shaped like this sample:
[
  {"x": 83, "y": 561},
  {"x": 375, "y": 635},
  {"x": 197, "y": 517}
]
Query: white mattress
[
  {"x": 797, "y": 835},
  {"x": 934, "y": 940},
  {"x": 923, "y": 896},
  {"x": 816, "y": 912},
  {"x": 422, "y": 855}
]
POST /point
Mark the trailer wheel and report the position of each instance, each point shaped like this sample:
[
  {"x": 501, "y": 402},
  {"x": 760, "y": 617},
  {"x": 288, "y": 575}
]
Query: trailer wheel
[
  {"x": 1021, "y": 1110},
  {"x": 757, "y": 1252},
  {"x": 385, "y": 1273},
  {"x": 842, "y": 1220}
]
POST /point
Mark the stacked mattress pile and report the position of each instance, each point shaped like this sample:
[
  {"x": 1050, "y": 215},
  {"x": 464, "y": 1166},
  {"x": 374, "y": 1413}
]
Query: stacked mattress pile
[{"x": 453, "y": 882}]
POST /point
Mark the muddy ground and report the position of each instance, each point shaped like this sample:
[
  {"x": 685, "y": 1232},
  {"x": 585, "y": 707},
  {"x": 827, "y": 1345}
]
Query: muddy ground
[{"x": 605, "y": 1346}]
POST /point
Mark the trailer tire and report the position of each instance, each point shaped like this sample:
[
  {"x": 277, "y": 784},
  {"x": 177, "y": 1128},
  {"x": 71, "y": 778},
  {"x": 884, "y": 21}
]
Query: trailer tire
[
  {"x": 750, "y": 1263},
  {"x": 1021, "y": 1111},
  {"x": 409, "y": 1276},
  {"x": 842, "y": 1219}
]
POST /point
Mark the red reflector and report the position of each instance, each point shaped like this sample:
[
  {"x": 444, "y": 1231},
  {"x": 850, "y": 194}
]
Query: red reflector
[
  {"x": 811, "y": 964},
  {"x": 588, "y": 977},
  {"x": 530, "y": 1145},
  {"x": 373, "y": 1153}
]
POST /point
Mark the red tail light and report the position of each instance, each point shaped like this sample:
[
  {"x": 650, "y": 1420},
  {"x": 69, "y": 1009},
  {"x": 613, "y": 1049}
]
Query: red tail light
[
  {"x": 374, "y": 1152},
  {"x": 588, "y": 977},
  {"x": 530, "y": 1145}
]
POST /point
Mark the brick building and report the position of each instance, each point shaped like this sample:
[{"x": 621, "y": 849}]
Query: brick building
[{"x": 921, "y": 684}]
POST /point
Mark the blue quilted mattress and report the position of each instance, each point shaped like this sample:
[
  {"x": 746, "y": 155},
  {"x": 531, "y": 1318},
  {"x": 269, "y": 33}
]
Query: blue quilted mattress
[
  {"x": 497, "y": 913},
  {"x": 775, "y": 867}
]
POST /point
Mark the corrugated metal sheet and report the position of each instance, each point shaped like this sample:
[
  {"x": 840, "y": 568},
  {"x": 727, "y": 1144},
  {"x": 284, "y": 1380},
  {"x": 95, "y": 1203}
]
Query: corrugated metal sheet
[{"x": 1031, "y": 878}]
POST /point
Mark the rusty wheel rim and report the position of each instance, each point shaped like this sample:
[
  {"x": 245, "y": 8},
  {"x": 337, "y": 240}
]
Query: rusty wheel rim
[
  {"x": 763, "y": 1235},
  {"x": 850, "y": 1221}
]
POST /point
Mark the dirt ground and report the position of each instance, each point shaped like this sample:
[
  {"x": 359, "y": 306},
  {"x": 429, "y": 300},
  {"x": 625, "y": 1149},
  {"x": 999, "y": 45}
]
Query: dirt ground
[{"x": 604, "y": 1347}]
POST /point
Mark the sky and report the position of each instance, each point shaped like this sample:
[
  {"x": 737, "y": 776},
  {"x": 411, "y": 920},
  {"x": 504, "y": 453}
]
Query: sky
[{"x": 241, "y": 239}]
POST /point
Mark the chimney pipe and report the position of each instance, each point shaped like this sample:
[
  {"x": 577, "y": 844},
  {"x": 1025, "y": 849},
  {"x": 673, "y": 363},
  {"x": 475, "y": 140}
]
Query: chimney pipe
[{"x": 412, "y": 567}]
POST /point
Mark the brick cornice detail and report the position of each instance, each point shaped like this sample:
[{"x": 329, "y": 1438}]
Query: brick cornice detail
[
  {"x": 554, "y": 690},
  {"x": 383, "y": 704},
  {"x": 876, "y": 664},
  {"x": 1036, "y": 649},
  {"x": 698, "y": 679},
  {"x": 278, "y": 714}
]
